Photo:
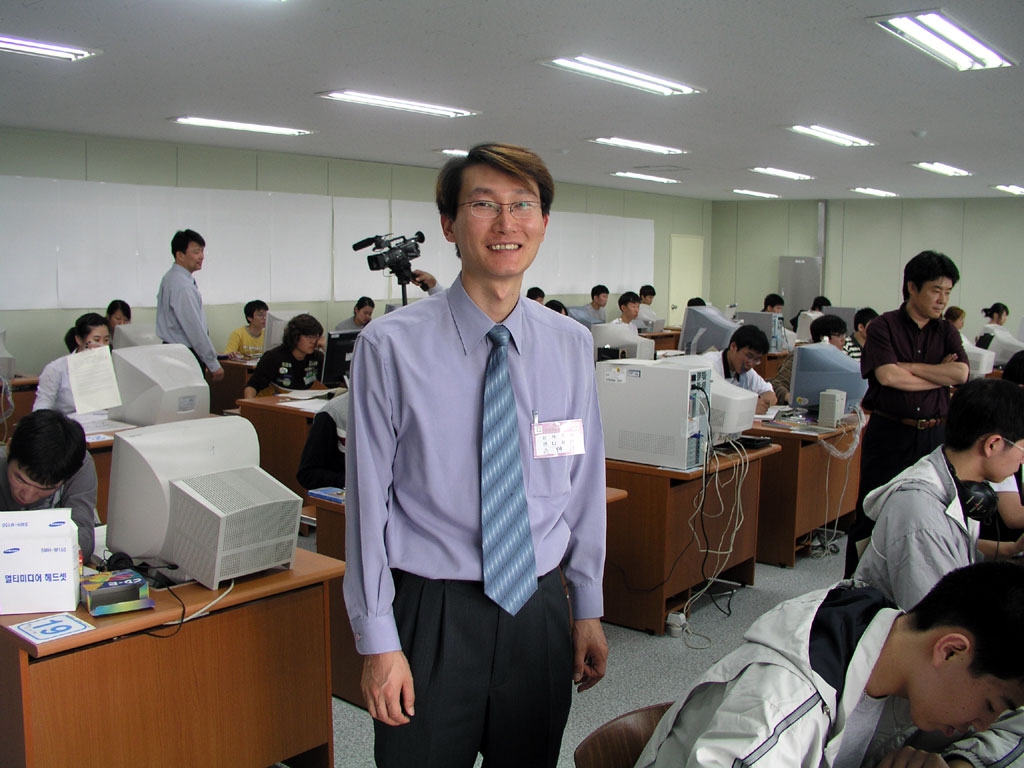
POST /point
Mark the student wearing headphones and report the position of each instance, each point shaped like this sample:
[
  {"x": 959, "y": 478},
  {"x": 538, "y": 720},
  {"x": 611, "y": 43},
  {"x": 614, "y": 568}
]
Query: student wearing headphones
[{"x": 927, "y": 519}]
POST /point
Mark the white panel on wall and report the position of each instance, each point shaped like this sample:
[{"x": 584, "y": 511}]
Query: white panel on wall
[
  {"x": 29, "y": 213},
  {"x": 437, "y": 255},
  {"x": 356, "y": 219},
  {"x": 237, "y": 262},
  {"x": 299, "y": 238}
]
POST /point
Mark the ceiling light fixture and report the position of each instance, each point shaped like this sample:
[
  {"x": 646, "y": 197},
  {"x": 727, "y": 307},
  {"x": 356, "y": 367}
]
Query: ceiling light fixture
[
  {"x": 453, "y": 152},
  {"x": 373, "y": 100},
  {"x": 644, "y": 177},
  {"x": 942, "y": 169},
  {"x": 941, "y": 38},
  {"x": 643, "y": 146},
  {"x": 1013, "y": 189},
  {"x": 46, "y": 50},
  {"x": 791, "y": 175},
  {"x": 613, "y": 73},
  {"x": 827, "y": 134},
  {"x": 874, "y": 192},
  {"x": 209, "y": 122},
  {"x": 753, "y": 193}
]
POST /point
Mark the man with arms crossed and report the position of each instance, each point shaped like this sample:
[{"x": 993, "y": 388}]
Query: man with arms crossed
[
  {"x": 910, "y": 358},
  {"x": 179, "y": 307},
  {"x": 446, "y": 396}
]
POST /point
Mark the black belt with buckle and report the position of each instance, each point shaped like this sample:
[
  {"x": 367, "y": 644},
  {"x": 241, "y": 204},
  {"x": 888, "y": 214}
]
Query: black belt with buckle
[{"x": 918, "y": 424}]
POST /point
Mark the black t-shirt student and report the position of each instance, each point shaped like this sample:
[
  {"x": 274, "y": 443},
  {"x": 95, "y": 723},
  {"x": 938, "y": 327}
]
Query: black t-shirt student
[{"x": 279, "y": 367}]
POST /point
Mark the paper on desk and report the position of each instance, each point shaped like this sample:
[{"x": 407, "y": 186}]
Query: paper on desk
[
  {"x": 93, "y": 385},
  {"x": 771, "y": 413},
  {"x": 311, "y": 406},
  {"x": 303, "y": 394}
]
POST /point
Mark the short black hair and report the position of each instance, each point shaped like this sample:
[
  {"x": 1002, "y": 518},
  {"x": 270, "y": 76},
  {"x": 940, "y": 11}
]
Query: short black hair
[
  {"x": 983, "y": 407},
  {"x": 300, "y": 325},
  {"x": 181, "y": 240},
  {"x": 535, "y": 293},
  {"x": 119, "y": 305},
  {"x": 819, "y": 303},
  {"x": 628, "y": 298},
  {"x": 696, "y": 301},
  {"x": 987, "y": 600},
  {"x": 996, "y": 309},
  {"x": 85, "y": 323},
  {"x": 647, "y": 290},
  {"x": 928, "y": 265},
  {"x": 254, "y": 306},
  {"x": 750, "y": 337},
  {"x": 364, "y": 301},
  {"x": 772, "y": 300},
  {"x": 1013, "y": 371},
  {"x": 48, "y": 446},
  {"x": 863, "y": 316},
  {"x": 826, "y": 326},
  {"x": 597, "y": 290},
  {"x": 69, "y": 339},
  {"x": 558, "y": 306},
  {"x": 518, "y": 162}
]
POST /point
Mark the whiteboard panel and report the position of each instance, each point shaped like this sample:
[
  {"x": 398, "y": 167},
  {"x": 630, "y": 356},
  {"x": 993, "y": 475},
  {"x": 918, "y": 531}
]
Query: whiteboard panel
[
  {"x": 437, "y": 255},
  {"x": 299, "y": 238},
  {"x": 356, "y": 219},
  {"x": 30, "y": 244}
]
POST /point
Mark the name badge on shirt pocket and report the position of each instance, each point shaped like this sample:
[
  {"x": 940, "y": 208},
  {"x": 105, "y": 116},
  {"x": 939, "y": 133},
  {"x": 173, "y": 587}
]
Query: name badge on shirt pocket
[{"x": 557, "y": 438}]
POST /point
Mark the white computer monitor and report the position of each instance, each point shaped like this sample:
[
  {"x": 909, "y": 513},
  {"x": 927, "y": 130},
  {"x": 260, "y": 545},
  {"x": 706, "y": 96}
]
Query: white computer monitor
[
  {"x": 192, "y": 495},
  {"x": 134, "y": 335},
  {"x": 622, "y": 337},
  {"x": 803, "y": 324},
  {"x": 6, "y": 358},
  {"x": 277, "y": 319},
  {"x": 732, "y": 409},
  {"x": 159, "y": 383},
  {"x": 703, "y": 328},
  {"x": 847, "y": 313},
  {"x": 1004, "y": 344},
  {"x": 772, "y": 325},
  {"x": 817, "y": 367},
  {"x": 981, "y": 361}
]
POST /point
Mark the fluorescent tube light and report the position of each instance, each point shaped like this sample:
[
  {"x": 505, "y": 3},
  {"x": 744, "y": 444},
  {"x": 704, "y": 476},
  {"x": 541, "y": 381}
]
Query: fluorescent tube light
[
  {"x": 1013, "y": 189},
  {"x": 754, "y": 193},
  {"x": 209, "y": 122},
  {"x": 453, "y": 152},
  {"x": 939, "y": 37},
  {"x": 373, "y": 100},
  {"x": 643, "y": 146},
  {"x": 613, "y": 73},
  {"x": 827, "y": 134},
  {"x": 942, "y": 169},
  {"x": 791, "y": 175},
  {"x": 874, "y": 192},
  {"x": 644, "y": 177},
  {"x": 46, "y": 50}
]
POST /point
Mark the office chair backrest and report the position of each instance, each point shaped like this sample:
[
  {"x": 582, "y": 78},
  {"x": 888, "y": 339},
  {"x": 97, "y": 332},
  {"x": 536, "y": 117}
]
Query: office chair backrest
[{"x": 619, "y": 742}]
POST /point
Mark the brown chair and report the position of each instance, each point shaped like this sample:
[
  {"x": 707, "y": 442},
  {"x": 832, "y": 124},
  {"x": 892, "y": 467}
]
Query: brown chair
[{"x": 619, "y": 742}]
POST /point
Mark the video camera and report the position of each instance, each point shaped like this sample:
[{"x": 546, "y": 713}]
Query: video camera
[{"x": 393, "y": 253}]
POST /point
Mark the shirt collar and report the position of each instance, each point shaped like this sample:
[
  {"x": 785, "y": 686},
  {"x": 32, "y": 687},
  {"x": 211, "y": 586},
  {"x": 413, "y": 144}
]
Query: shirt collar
[
  {"x": 473, "y": 324},
  {"x": 910, "y": 321}
]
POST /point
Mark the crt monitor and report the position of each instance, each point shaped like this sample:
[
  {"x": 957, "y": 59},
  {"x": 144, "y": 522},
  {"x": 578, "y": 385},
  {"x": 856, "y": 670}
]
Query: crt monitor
[
  {"x": 6, "y": 358},
  {"x": 1004, "y": 344},
  {"x": 134, "y": 335},
  {"x": 772, "y": 325},
  {"x": 623, "y": 337},
  {"x": 980, "y": 361},
  {"x": 803, "y": 324},
  {"x": 817, "y": 367},
  {"x": 159, "y": 383},
  {"x": 338, "y": 357},
  {"x": 277, "y": 319},
  {"x": 192, "y": 495},
  {"x": 703, "y": 328},
  {"x": 732, "y": 409}
]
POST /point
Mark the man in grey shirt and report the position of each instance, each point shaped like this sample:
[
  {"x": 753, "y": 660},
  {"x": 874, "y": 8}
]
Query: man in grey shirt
[
  {"x": 448, "y": 672},
  {"x": 179, "y": 306}
]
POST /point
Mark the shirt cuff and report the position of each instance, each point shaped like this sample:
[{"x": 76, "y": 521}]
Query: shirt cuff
[
  {"x": 376, "y": 634},
  {"x": 587, "y": 600}
]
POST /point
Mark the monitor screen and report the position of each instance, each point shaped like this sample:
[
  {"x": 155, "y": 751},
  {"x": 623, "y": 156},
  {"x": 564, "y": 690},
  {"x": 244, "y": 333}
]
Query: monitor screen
[
  {"x": 1004, "y": 344},
  {"x": 159, "y": 383},
  {"x": 623, "y": 337},
  {"x": 803, "y": 324},
  {"x": 772, "y": 325},
  {"x": 703, "y": 328},
  {"x": 847, "y": 313},
  {"x": 276, "y": 321},
  {"x": 338, "y": 357},
  {"x": 192, "y": 495},
  {"x": 817, "y": 367},
  {"x": 134, "y": 335}
]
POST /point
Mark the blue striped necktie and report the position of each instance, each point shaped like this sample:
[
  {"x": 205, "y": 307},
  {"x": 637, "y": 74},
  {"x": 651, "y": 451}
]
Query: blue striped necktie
[{"x": 510, "y": 571}]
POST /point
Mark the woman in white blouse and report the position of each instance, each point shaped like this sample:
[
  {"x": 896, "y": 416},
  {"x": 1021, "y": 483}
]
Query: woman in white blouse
[{"x": 54, "y": 389}]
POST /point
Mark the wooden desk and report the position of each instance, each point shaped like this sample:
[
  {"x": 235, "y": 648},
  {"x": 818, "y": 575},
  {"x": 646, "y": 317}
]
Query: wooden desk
[
  {"x": 667, "y": 339},
  {"x": 282, "y": 432},
  {"x": 653, "y": 559},
  {"x": 224, "y": 393},
  {"x": 23, "y": 393},
  {"x": 347, "y": 664},
  {"x": 770, "y": 364},
  {"x": 793, "y": 489},
  {"x": 244, "y": 686}
]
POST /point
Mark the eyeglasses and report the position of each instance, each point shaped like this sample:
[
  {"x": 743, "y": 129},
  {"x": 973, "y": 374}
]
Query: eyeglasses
[
  {"x": 1010, "y": 442},
  {"x": 488, "y": 209}
]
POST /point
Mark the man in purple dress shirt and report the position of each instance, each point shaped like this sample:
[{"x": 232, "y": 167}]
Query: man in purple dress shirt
[{"x": 448, "y": 673}]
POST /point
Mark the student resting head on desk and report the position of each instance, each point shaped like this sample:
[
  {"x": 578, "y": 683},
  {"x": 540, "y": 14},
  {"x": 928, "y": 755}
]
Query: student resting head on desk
[
  {"x": 295, "y": 364},
  {"x": 46, "y": 466},
  {"x": 54, "y": 388},
  {"x": 248, "y": 340}
]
